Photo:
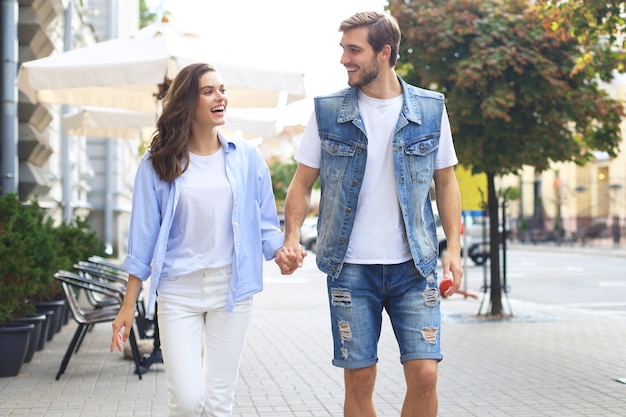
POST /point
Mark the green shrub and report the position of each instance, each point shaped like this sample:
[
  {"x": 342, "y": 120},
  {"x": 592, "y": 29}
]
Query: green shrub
[{"x": 32, "y": 249}]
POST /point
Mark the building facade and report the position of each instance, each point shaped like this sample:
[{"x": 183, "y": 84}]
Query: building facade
[{"x": 72, "y": 176}]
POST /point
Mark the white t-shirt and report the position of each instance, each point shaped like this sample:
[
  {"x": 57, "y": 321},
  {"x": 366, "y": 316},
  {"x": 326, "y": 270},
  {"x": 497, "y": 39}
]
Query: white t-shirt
[
  {"x": 202, "y": 234},
  {"x": 378, "y": 235}
]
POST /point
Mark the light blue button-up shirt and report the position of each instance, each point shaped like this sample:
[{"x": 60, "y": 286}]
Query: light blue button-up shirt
[{"x": 255, "y": 223}]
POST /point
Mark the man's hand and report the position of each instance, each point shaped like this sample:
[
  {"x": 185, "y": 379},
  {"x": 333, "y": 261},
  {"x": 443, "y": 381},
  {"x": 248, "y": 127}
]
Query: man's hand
[
  {"x": 290, "y": 258},
  {"x": 453, "y": 270}
]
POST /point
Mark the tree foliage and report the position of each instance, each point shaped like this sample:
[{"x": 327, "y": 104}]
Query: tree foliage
[
  {"x": 146, "y": 16},
  {"x": 595, "y": 24},
  {"x": 514, "y": 95},
  {"x": 282, "y": 174}
]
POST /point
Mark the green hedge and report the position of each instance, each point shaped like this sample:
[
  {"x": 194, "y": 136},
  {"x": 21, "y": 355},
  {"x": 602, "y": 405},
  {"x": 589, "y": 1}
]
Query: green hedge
[{"x": 32, "y": 249}]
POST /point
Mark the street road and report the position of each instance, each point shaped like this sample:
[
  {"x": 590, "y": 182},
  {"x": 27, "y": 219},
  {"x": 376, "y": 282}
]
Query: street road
[{"x": 573, "y": 279}]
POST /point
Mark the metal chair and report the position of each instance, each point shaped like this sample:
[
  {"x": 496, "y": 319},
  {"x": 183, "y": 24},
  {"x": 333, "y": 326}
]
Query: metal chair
[
  {"x": 88, "y": 269},
  {"x": 147, "y": 328},
  {"x": 114, "y": 271},
  {"x": 72, "y": 285},
  {"x": 98, "y": 300}
]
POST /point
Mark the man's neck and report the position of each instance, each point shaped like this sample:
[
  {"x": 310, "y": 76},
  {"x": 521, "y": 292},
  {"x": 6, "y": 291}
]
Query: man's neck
[{"x": 384, "y": 87}]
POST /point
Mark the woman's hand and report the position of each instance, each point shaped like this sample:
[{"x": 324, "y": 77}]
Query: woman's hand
[
  {"x": 290, "y": 258},
  {"x": 123, "y": 321}
]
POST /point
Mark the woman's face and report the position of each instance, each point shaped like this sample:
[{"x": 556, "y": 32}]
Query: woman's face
[{"x": 212, "y": 100}]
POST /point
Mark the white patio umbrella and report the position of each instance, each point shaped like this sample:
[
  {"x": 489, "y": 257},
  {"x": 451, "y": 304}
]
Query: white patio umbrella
[
  {"x": 270, "y": 122},
  {"x": 130, "y": 72},
  {"x": 104, "y": 122}
]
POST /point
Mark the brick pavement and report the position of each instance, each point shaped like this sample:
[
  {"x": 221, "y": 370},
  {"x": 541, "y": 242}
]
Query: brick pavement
[{"x": 545, "y": 361}]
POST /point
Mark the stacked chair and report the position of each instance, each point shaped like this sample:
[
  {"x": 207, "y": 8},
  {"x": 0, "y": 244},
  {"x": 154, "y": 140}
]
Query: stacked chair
[
  {"x": 95, "y": 292},
  {"x": 73, "y": 285}
]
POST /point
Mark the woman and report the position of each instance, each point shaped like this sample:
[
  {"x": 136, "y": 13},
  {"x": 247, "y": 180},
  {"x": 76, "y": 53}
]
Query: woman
[{"x": 203, "y": 218}]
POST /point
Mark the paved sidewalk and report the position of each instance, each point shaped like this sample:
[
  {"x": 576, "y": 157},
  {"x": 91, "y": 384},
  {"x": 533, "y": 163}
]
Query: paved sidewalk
[{"x": 545, "y": 361}]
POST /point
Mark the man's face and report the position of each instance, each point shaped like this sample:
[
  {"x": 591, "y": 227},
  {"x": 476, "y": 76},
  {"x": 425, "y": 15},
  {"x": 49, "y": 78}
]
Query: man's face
[{"x": 359, "y": 58}]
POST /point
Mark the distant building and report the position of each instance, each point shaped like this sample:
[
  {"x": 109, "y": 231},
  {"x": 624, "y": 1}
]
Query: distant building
[{"x": 101, "y": 169}]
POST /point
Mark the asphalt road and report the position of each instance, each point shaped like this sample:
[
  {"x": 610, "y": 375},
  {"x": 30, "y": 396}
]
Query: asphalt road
[{"x": 576, "y": 279}]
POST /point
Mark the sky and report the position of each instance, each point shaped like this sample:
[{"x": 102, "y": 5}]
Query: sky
[{"x": 299, "y": 35}]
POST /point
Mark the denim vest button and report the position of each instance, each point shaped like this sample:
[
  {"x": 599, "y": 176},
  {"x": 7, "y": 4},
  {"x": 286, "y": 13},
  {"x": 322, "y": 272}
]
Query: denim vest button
[
  {"x": 355, "y": 182},
  {"x": 348, "y": 210},
  {"x": 341, "y": 240}
]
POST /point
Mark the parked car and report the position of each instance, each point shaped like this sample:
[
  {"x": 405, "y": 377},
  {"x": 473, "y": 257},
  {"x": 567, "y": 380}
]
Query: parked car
[
  {"x": 441, "y": 236},
  {"x": 308, "y": 234},
  {"x": 477, "y": 227}
]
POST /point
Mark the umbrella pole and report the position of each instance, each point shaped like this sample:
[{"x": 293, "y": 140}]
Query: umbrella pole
[{"x": 66, "y": 169}]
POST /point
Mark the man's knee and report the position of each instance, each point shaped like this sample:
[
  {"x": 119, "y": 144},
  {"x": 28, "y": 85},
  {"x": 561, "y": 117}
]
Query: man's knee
[
  {"x": 360, "y": 379},
  {"x": 421, "y": 373}
]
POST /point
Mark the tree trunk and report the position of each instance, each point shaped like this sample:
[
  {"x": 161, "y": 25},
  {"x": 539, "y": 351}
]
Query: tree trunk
[{"x": 494, "y": 246}]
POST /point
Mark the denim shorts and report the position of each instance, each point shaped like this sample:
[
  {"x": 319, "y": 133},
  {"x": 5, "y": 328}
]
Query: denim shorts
[{"x": 357, "y": 299}]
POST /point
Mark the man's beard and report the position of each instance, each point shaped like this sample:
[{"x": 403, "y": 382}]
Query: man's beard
[{"x": 367, "y": 75}]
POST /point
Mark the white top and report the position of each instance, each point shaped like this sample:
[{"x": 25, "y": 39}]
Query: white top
[
  {"x": 378, "y": 235},
  {"x": 202, "y": 235}
]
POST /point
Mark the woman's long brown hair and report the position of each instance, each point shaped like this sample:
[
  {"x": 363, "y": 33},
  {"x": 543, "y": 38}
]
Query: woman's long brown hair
[{"x": 169, "y": 147}]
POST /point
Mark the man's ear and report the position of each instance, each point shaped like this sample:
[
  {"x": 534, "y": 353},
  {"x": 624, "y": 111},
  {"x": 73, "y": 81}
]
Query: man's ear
[{"x": 385, "y": 53}]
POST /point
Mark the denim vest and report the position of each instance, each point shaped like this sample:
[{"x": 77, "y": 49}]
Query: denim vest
[{"x": 344, "y": 152}]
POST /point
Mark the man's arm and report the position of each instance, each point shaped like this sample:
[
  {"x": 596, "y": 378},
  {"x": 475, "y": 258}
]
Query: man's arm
[
  {"x": 297, "y": 204},
  {"x": 449, "y": 205}
]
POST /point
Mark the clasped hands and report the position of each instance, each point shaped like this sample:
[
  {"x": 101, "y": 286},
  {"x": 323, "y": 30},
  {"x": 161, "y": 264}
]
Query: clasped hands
[{"x": 289, "y": 258}]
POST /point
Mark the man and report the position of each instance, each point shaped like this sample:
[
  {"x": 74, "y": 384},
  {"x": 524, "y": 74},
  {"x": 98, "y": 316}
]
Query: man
[{"x": 376, "y": 148}]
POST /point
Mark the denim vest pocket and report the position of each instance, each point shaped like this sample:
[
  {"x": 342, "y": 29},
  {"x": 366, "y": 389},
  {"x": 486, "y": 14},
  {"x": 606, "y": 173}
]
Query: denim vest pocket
[
  {"x": 420, "y": 157},
  {"x": 337, "y": 147},
  {"x": 422, "y": 146},
  {"x": 336, "y": 157}
]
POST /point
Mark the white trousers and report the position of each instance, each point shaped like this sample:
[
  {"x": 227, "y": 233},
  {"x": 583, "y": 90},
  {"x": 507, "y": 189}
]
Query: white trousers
[{"x": 201, "y": 342}]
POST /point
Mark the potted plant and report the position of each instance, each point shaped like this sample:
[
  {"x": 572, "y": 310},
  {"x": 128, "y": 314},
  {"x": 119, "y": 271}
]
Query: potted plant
[
  {"x": 16, "y": 257},
  {"x": 14, "y": 342},
  {"x": 29, "y": 255},
  {"x": 32, "y": 249},
  {"x": 72, "y": 243}
]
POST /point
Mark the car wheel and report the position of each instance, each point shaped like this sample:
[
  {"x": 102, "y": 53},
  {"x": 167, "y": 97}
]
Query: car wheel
[
  {"x": 476, "y": 255},
  {"x": 442, "y": 250}
]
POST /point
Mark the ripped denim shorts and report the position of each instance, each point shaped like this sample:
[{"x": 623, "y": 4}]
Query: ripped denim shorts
[{"x": 357, "y": 299}]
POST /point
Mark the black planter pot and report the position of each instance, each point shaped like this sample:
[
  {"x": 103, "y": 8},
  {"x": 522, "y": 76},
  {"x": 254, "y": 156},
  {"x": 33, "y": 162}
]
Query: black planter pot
[
  {"x": 43, "y": 335},
  {"x": 66, "y": 314},
  {"x": 38, "y": 320},
  {"x": 14, "y": 340},
  {"x": 57, "y": 319}
]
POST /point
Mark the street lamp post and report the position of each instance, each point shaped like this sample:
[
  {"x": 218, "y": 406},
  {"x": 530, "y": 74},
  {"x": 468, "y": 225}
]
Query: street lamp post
[{"x": 616, "y": 229}]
